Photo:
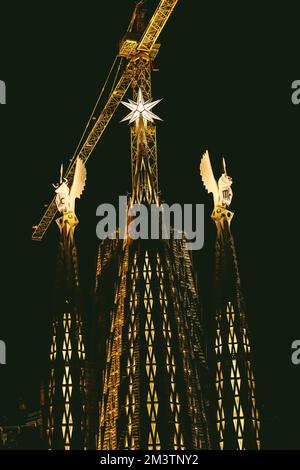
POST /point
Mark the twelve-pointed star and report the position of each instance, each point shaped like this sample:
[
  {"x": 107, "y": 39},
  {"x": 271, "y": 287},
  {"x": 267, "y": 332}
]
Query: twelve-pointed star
[{"x": 141, "y": 108}]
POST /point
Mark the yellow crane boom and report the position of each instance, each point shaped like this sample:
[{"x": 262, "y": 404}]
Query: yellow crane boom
[
  {"x": 87, "y": 148},
  {"x": 156, "y": 24},
  {"x": 147, "y": 43}
]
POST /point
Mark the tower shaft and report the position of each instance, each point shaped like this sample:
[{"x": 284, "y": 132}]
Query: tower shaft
[
  {"x": 152, "y": 379},
  {"x": 236, "y": 413},
  {"x": 152, "y": 394},
  {"x": 65, "y": 403}
]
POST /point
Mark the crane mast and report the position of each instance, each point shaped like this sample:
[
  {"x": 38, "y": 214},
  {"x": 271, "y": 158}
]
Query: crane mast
[{"x": 141, "y": 54}]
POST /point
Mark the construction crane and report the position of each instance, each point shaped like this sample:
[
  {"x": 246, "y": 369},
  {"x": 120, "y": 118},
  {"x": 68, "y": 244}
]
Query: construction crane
[{"x": 139, "y": 50}]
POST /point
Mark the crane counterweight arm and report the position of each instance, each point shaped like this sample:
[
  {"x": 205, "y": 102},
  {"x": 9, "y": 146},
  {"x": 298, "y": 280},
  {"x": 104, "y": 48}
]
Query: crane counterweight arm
[{"x": 156, "y": 24}]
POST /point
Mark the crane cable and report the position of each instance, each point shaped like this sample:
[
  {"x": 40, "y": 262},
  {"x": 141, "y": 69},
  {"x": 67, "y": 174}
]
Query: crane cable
[
  {"x": 93, "y": 111},
  {"x": 129, "y": 29}
]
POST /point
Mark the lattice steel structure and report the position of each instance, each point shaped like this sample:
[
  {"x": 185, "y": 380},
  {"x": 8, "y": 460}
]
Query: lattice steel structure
[
  {"x": 141, "y": 78},
  {"x": 236, "y": 414},
  {"x": 65, "y": 393}
]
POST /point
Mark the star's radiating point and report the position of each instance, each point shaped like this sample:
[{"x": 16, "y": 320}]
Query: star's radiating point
[{"x": 141, "y": 108}]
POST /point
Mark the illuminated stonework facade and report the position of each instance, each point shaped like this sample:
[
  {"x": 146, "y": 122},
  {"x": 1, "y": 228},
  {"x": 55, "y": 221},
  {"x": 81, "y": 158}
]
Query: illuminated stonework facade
[
  {"x": 236, "y": 414},
  {"x": 65, "y": 393},
  {"x": 151, "y": 397}
]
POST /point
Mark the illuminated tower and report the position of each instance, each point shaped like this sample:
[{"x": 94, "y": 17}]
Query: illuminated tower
[
  {"x": 153, "y": 374},
  {"x": 65, "y": 393},
  {"x": 236, "y": 415}
]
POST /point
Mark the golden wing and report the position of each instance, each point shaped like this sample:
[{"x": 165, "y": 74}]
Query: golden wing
[
  {"x": 79, "y": 181},
  {"x": 208, "y": 178}
]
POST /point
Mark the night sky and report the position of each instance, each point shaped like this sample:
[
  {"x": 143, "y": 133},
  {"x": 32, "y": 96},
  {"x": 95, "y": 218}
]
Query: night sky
[{"x": 225, "y": 75}]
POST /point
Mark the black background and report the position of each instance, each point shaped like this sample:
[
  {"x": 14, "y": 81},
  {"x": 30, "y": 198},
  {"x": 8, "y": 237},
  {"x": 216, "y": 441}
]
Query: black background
[{"x": 226, "y": 70}]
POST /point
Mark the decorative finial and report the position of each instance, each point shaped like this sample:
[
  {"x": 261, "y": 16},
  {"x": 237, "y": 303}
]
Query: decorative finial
[{"x": 141, "y": 109}]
